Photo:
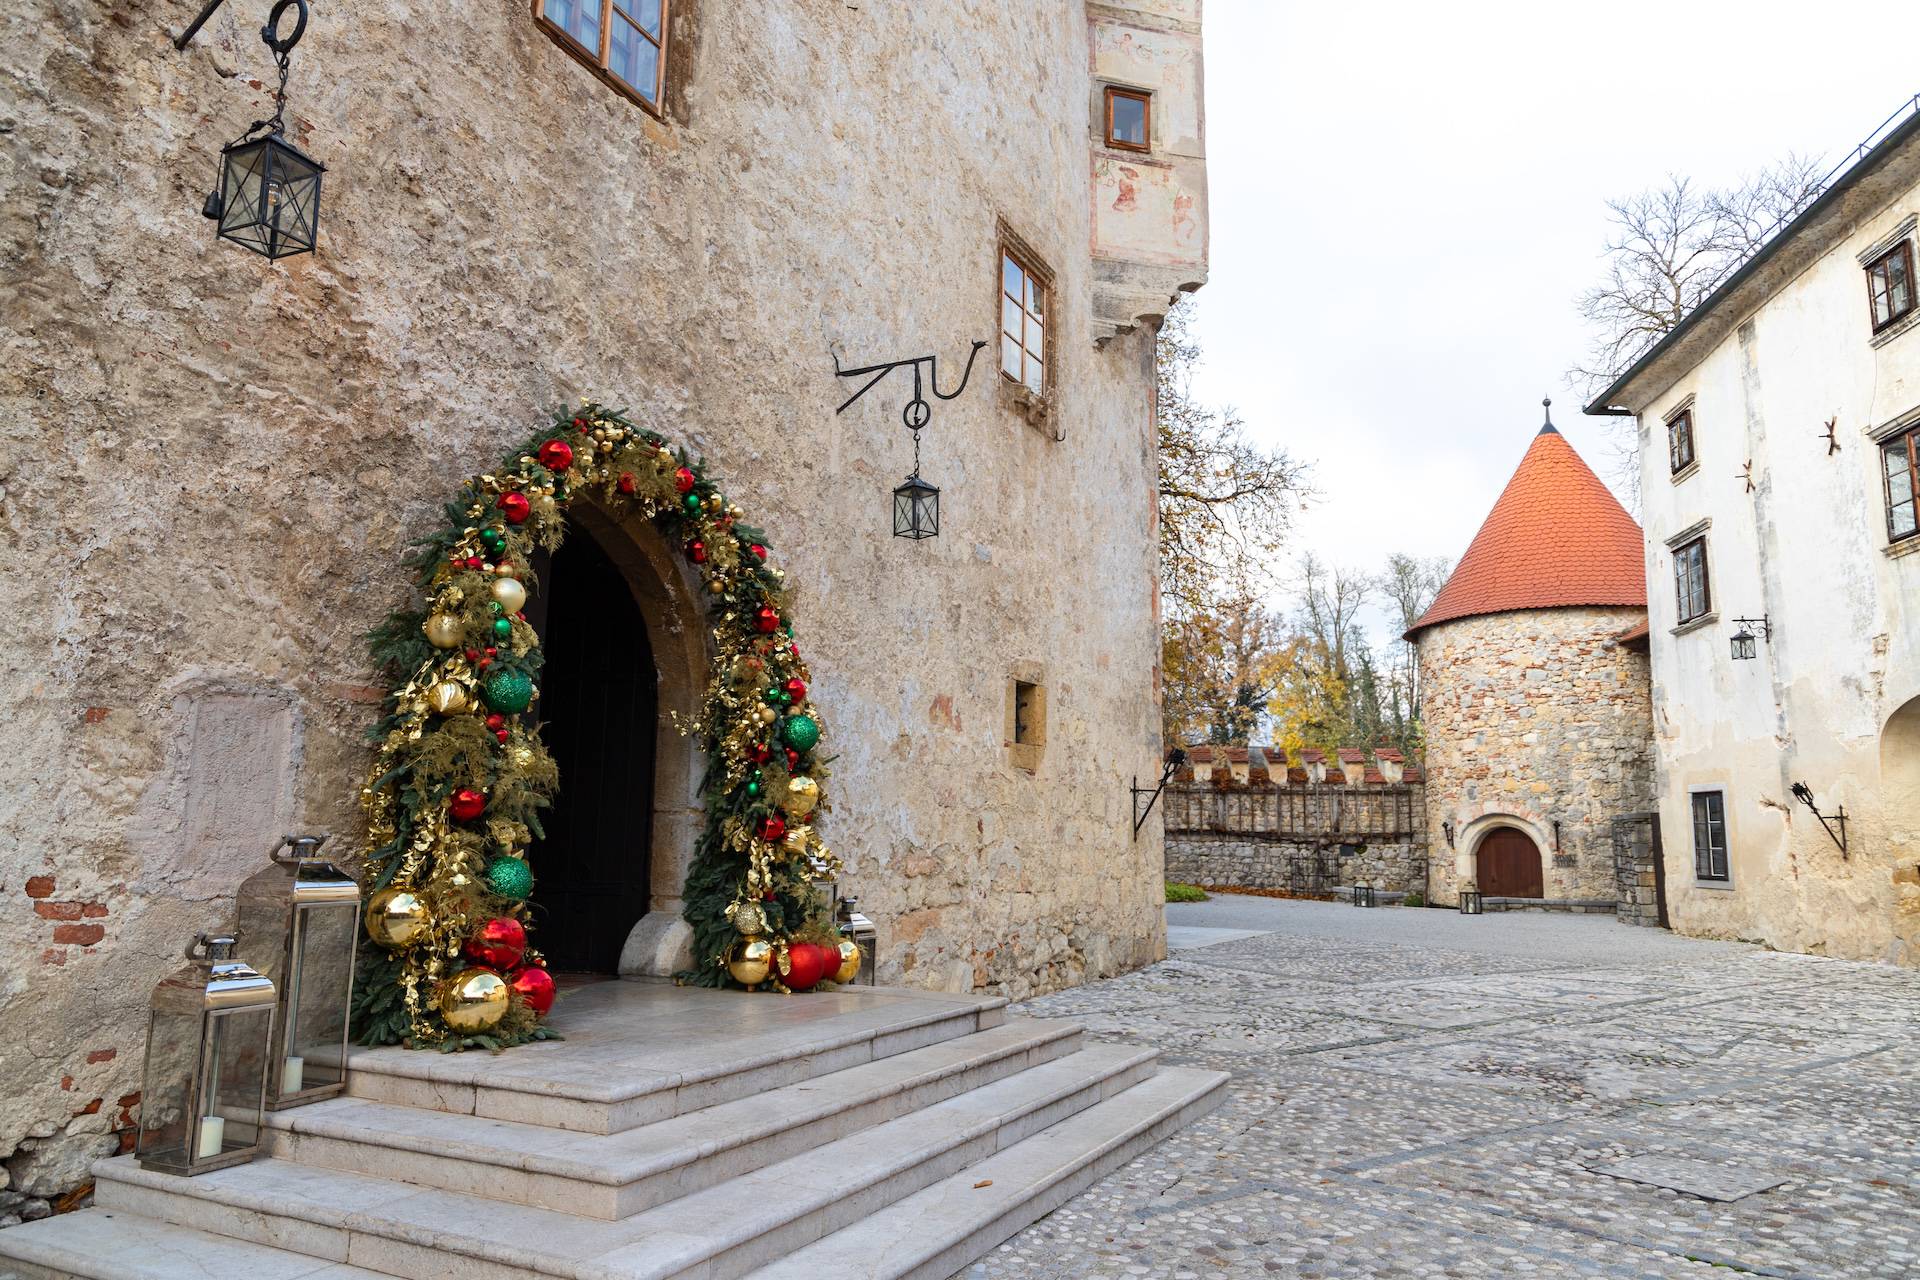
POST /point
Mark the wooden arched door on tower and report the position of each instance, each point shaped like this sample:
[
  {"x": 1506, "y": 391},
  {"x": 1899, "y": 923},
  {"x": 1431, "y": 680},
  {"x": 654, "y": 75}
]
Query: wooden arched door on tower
[
  {"x": 1509, "y": 865},
  {"x": 599, "y": 699}
]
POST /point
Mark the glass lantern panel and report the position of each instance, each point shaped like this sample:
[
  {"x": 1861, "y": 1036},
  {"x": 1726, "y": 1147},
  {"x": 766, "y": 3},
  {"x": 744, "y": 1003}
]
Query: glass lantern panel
[
  {"x": 318, "y": 984},
  {"x": 927, "y": 513},
  {"x": 173, "y": 1053},
  {"x": 242, "y": 187},
  {"x": 293, "y": 202},
  {"x": 234, "y": 1075}
]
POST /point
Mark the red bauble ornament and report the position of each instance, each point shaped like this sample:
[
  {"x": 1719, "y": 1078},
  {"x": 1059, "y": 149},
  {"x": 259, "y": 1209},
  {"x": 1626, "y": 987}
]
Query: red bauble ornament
[
  {"x": 466, "y": 805},
  {"x": 515, "y": 507},
  {"x": 581, "y": 423},
  {"x": 497, "y": 944},
  {"x": 628, "y": 485},
  {"x": 535, "y": 986},
  {"x": 474, "y": 562},
  {"x": 766, "y": 620},
  {"x": 501, "y": 734},
  {"x": 773, "y": 827},
  {"x": 473, "y": 655},
  {"x": 793, "y": 759},
  {"x": 759, "y": 753},
  {"x": 759, "y": 552},
  {"x": 683, "y": 480},
  {"x": 496, "y": 722},
  {"x": 697, "y": 551},
  {"x": 796, "y": 689},
  {"x": 555, "y": 455},
  {"x": 806, "y": 965}
]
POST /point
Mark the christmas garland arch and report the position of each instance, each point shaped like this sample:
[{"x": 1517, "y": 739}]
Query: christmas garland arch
[{"x": 460, "y": 774}]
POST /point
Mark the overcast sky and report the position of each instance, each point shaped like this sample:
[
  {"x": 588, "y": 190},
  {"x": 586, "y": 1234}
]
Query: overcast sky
[{"x": 1407, "y": 198}]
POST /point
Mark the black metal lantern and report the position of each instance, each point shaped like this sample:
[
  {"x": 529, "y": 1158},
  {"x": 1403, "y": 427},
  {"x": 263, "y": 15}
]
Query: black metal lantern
[
  {"x": 1743, "y": 648},
  {"x": 916, "y": 507},
  {"x": 268, "y": 199},
  {"x": 1470, "y": 902}
]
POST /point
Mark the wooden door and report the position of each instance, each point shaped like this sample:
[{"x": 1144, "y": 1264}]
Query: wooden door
[
  {"x": 598, "y": 708},
  {"x": 1510, "y": 866}
]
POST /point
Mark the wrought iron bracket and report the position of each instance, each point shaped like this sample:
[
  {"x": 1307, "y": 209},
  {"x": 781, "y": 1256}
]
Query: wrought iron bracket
[
  {"x": 1804, "y": 795},
  {"x": 918, "y": 412},
  {"x": 1764, "y": 622},
  {"x": 1175, "y": 758},
  {"x": 281, "y": 45}
]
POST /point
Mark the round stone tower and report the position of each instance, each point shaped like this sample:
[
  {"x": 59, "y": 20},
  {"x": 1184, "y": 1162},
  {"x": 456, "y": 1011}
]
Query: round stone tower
[{"x": 1534, "y": 691}]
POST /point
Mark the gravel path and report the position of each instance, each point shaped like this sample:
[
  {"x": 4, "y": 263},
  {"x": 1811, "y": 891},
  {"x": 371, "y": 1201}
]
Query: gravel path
[{"x": 1422, "y": 1094}]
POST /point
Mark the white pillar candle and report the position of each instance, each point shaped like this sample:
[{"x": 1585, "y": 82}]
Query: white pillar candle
[
  {"x": 212, "y": 1130},
  {"x": 292, "y": 1074}
]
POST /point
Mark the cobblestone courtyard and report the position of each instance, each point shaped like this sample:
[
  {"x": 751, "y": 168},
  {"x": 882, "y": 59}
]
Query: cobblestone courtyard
[{"x": 1418, "y": 1093}]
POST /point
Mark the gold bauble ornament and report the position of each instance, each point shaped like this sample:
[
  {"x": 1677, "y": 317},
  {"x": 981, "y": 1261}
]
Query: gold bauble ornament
[
  {"x": 474, "y": 999},
  {"x": 749, "y": 919},
  {"x": 849, "y": 962},
  {"x": 510, "y": 595},
  {"x": 447, "y": 698},
  {"x": 798, "y": 838},
  {"x": 751, "y": 961},
  {"x": 802, "y": 795},
  {"x": 443, "y": 631},
  {"x": 768, "y": 715},
  {"x": 396, "y": 918}
]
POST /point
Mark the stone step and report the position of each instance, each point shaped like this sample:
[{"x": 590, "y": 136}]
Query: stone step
[
  {"x": 935, "y": 1232},
  {"x": 719, "y": 1233},
  {"x": 616, "y": 1175},
  {"x": 104, "y": 1244},
  {"x": 637, "y": 1053}
]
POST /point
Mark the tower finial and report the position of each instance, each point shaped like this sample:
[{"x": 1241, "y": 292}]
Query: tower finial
[{"x": 1546, "y": 403}]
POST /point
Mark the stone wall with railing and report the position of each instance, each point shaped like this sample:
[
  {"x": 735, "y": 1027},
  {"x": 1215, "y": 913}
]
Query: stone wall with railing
[{"x": 1235, "y": 827}]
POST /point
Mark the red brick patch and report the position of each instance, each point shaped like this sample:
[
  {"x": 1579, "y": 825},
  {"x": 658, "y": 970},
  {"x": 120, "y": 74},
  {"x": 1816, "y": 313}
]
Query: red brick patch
[
  {"x": 94, "y": 715},
  {"x": 78, "y": 935},
  {"x": 53, "y": 955},
  {"x": 101, "y": 1055},
  {"x": 92, "y": 1108},
  {"x": 57, "y": 910},
  {"x": 39, "y": 886}
]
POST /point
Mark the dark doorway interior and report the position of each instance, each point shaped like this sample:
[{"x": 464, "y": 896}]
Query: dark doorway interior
[
  {"x": 598, "y": 707},
  {"x": 1509, "y": 865}
]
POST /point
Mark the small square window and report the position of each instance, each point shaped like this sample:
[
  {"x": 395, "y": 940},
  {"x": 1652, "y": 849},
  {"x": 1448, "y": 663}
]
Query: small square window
[
  {"x": 1690, "y": 579},
  {"x": 1900, "y": 463},
  {"x": 1890, "y": 285},
  {"x": 1026, "y": 722},
  {"x": 1129, "y": 119},
  {"x": 1023, "y": 322},
  {"x": 1710, "y": 836},
  {"x": 1680, "y": 441},
  {"x": 623, "y": 41}
]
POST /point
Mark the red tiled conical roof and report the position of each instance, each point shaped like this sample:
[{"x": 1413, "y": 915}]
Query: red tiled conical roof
[{"x": 1557, "y": 537}]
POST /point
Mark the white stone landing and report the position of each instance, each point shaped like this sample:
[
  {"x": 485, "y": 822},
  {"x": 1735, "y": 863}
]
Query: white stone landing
[{"x": 676, "y": 1132}]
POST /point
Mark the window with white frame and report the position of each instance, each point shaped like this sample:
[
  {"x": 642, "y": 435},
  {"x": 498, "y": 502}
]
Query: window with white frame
[{"x": 1710, "y": 835}]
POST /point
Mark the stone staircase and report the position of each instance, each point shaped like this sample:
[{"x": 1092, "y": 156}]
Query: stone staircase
[{"x": 675, "y": 1133}]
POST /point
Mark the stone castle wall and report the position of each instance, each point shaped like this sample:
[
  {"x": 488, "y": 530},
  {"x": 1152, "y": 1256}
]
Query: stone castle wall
[
  {"x": 213, "y": 465},
  {"x": 1306, "y": 838},
  {"x": 1534, "y": 718}
]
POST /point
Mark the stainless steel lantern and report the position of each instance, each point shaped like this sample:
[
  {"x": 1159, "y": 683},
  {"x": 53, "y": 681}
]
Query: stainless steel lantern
[
  {"x": 301, "y": 920},
  {"x": 916, "y": 509},
  {"x": 269, "y": 196},
  {"x": 204, "y": 1086},
  {"x": 860, "y": 929}
]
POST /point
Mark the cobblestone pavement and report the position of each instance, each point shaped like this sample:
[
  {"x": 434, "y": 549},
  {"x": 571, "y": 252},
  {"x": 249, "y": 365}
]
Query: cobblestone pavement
[{"x": 1417, "y": 1093}]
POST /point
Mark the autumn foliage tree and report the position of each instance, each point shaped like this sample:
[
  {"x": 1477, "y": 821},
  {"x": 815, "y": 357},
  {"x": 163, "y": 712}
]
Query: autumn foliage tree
[{"x": 1225, "y": 505}]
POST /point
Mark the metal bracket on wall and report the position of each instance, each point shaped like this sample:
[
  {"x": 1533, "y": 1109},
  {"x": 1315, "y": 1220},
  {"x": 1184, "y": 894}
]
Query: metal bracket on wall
[
  {"x": 1833, "y": 445},
  {"x": 1804, "y": 795},
  {"x": 918, "y": 411},
  {"x": 279, "y": 44},
  {"x": 1175, "y": 758}
]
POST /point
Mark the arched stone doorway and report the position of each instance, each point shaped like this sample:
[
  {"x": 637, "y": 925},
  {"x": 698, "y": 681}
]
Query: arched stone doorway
[
  {"x": 624, "y": 654},
  {"x": 1507, "y": 865}
]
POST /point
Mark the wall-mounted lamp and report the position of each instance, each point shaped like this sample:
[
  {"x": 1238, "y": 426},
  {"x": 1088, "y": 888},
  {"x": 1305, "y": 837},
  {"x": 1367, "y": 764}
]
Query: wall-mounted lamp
[
  {"x": 1556, "y": 835},
  {"x": 1447, "y": 827},
  {"x": 1743, "y": 649},
  {"x": 916, "y": 504},
  {"x": 1804, "y": 795},
  {"x": 268, "y": 193}
]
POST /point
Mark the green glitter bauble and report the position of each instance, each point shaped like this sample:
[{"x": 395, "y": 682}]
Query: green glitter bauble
[
  {"x": 509, "y": 692},
  {"x": 800, "y": 732},
  {"x": 511, "y": 878}
]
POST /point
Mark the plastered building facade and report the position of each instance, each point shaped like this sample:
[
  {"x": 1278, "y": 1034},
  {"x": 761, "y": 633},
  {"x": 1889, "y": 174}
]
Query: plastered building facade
[
  {"x": 212, "y": 465},
  {"x": 1776, "y": 427}
]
